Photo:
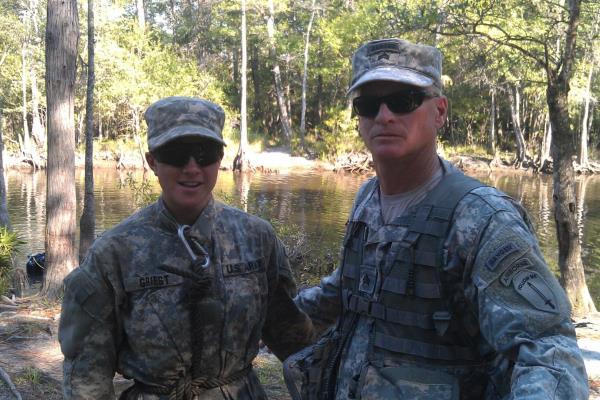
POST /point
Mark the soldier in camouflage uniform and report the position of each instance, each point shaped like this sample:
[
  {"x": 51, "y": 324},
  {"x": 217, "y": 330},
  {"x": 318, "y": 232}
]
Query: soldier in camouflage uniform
[
  {"x": 442, "y": 291},
  {"x": 178, "y": 295}
]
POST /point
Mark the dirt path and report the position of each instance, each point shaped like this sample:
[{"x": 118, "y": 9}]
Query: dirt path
[
  {"x": 30, "y": 355},
  {"x": 30, "y": 352}
]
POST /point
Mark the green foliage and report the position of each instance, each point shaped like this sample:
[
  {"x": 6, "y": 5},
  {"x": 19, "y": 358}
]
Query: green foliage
[
  {"x": 339, "y": 135},
  {"x": 10, "y": 243},
  {"x": 143, "y": 194},
  {"x": 193, "y": 48},
  {"x": 12, "y": 34}
]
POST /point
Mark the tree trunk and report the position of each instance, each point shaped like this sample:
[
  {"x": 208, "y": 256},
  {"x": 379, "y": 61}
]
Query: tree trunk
[
  {"x": 565, "y": 202},
  {"x": 26, "y": 149},
  {"x": 37, "y": 129},
  {"x": 305, "y": 75},
  {"x": 255, "y": 71},
  {"x": 319, "y": 93},
  {"x": 87, "y": 224},
  {"x": 141, "y": 14},
  {"x": 516, "y": 120},
  {"x": 240, "y": 162},
  {"x": 62, "y": 35},
  {"x": 583, "y": 142},
  {"x": 4, "y": 217},
  {"x": 546, "y": 144},
  {"x": 492, "y": 137},
  {"x": 286, "y": 123},
  {"x": 137, "y": 137}
]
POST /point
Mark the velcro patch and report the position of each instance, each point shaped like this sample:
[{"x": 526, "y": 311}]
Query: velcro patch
[
  {"x": 510, "y": 272},
  {"x": 500, "y": 254},
  {"x": 368, "y": 279},
  {"x": 535, "y": 290}
]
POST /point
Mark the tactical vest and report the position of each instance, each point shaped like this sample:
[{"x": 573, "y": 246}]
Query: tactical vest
[{"x": 413, "y": 300}]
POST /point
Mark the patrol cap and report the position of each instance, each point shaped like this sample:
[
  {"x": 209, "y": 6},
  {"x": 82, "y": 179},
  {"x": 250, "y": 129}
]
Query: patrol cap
[
  {"x": 396, "y": 60},
  {"x": 177, "y": 117}
]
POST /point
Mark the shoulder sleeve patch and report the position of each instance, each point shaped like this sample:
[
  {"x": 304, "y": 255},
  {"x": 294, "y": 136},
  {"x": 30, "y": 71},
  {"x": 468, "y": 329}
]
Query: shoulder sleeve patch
[
  {"x": 510, "y": 272},
  {"x": 500, "y": 254},
  {"x": 533, "y": 288},
  {"x": 501, "y": 249}
]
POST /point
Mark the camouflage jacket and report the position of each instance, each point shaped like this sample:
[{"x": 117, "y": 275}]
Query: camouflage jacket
[
  {"x": 530, "y": 350},
  {"x": 122, "y": 313}
]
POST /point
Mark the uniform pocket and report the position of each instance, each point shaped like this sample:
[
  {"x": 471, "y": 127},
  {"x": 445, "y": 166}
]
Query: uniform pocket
[
  {"x": 246, "y": 294},
  {"x": 159, "y": 321},
  {"x": 407, "y": 382},
  {"x": 84, "y": 305}
]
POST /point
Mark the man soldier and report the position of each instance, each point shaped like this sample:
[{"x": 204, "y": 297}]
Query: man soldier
[
  {"x": 177, "y": 296},
  {"x": 442, "y": 291}
]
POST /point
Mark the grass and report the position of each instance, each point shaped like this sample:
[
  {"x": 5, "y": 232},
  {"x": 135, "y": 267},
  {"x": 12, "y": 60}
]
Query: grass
[
  {"x": 270, "y": 374},
  {"x": 29, "y": 376},
  {"x": 10, "y": 243}
]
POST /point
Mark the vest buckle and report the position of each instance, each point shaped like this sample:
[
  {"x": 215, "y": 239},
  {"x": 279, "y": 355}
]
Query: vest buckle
[{"x": 441, "y": 322}]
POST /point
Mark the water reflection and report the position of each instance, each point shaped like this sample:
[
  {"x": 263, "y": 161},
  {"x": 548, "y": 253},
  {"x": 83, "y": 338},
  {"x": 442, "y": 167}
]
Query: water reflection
[{"x": 317, "y": 203}]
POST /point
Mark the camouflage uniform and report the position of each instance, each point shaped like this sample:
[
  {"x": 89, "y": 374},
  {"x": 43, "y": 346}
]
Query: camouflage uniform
[
  {"x": 122, "y": 313},
  {"x": 527, "y": 346},
  {"x": 140, "y": 304}
]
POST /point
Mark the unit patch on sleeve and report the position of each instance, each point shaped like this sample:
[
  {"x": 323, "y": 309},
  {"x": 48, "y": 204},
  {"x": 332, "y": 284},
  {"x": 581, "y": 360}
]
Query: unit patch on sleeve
[
  {"x": 499, "y": 255},
  {"x": 510, "y": 272},
  {"x": 535, "y": 290}
]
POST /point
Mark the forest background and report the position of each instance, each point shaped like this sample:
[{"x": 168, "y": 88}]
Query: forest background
[
  {"x": 299, "y": 67},
  {"x": 513, "y": 73}
]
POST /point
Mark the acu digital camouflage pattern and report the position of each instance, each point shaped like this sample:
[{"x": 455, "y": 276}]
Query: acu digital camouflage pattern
[
  {"x": 122, "y": 313},
  {"x": 526, "y": 339},
  {"x": 175, "y": 117},
  {"x": 399, "y": 61}
]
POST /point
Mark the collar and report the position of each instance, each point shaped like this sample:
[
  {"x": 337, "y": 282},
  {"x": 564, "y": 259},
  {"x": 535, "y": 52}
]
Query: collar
[{"x": 201, "y": 229}]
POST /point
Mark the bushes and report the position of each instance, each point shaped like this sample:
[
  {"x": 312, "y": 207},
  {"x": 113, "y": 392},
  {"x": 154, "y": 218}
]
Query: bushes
[{"x": 9, "y": 245}]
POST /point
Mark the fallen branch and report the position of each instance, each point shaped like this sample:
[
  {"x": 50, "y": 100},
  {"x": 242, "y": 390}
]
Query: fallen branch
[
  {"x": 10, "y": 385},
  {"x": 6, "y": 307},
  {"x": 8, "y": 301},
  {"x": 6, "y": 314},
  {"x": 30, "y": 318}
]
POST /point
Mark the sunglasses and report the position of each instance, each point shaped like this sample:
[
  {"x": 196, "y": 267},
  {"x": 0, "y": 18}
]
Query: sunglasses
[
  {"x": 402, "y": 102},
  {"x": 178, "y": 154}
]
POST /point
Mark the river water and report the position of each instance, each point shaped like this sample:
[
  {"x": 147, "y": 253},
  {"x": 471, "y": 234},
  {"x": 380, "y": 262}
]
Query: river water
[{"x": 314, "y": 202}]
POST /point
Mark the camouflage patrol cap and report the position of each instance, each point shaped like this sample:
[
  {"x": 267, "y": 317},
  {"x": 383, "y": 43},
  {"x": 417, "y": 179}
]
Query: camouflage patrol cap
[
  {"x": 396, "y": 60},
  {"x": 177, "y": 117}
]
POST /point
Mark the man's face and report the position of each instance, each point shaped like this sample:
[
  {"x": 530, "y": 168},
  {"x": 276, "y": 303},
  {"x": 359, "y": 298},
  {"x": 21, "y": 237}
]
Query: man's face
[
  {"x": 393, "y": 136},
  {"x": 187, "y": 189}
]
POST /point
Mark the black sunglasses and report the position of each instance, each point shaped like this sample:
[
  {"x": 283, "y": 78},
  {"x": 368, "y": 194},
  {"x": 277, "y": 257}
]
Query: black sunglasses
[
  {"x": 178, "y": 154},
  {"x": 402, "y": 102}
]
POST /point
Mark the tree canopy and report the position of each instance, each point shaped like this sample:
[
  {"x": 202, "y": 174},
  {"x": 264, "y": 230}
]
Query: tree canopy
[{"x": 192, "y": 47}]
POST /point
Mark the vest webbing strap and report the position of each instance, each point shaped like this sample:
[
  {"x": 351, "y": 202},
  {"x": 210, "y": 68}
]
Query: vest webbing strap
[
  {"x": 429, "y": 350},
  {"x": 398, "y": 286},
  {"x": 451, "y": 189},
  {"x": 424, "y": 290},
  {"x": 433, "y": 228},
  {"x": 363, "y": 306},
  {"x": 427, "y": 258}
]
